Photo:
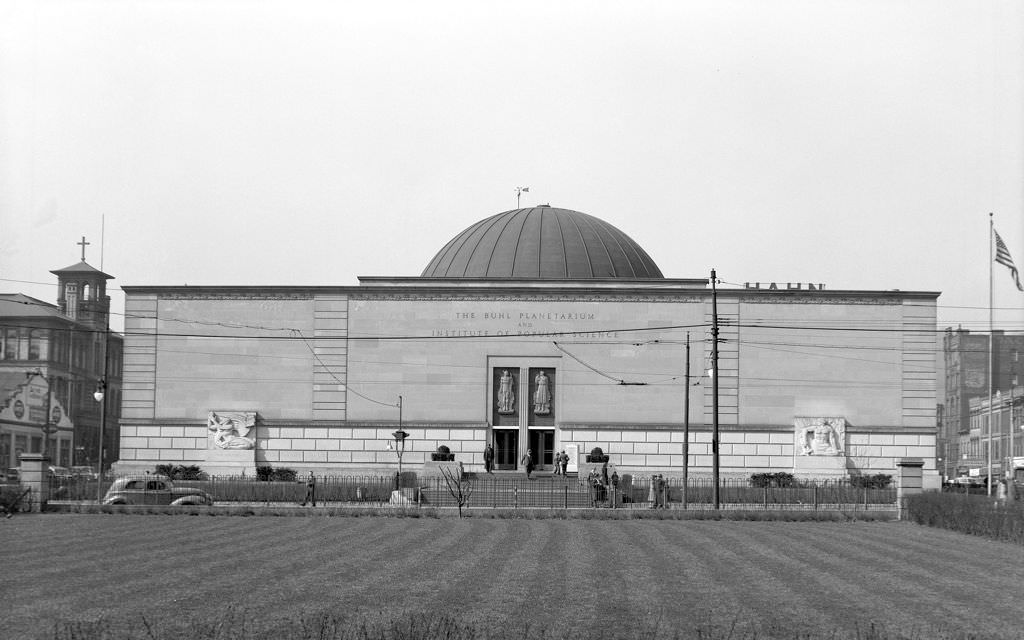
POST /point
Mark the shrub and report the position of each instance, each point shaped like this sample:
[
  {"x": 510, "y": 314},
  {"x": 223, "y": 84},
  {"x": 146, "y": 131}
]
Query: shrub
[
  {"x": 975, "y": 515},
  {"x": 181, "y": 472},
  {"x": 443, "y": 454},
  {"x": 876, "y": 481},
  {"x": 780, "y": 479},
  {"x": 280, "y": 474}
]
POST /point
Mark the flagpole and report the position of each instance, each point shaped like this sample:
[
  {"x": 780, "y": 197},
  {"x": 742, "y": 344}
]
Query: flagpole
[{"x": 991, "y": 340}]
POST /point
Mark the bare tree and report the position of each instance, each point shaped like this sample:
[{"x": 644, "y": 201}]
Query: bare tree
[{"x": 459, "y": 487}]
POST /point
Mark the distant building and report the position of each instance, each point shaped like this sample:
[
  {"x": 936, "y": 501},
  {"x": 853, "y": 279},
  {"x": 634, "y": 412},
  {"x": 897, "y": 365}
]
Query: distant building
[
  {"x": 967, "y": 376},
  {"x": 1005, "y": 433},
  {"x": 539, "y": 329},
  {"x": 51, "y": 360}
]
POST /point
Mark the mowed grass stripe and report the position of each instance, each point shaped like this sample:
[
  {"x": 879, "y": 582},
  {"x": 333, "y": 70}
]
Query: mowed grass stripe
[
  {"x": 797, "y": 560},
  {"x": 515, "y": 587},
  {"x": 612, "y": 576},
  {"x": 479, "y": 582},
  {"x": 869, "y": 582},
  {"x": 448, "y": 561},
  {"x": 349, "y": 561},
  {"x": 848, "y": 577},
  {"x": 701, "y": 577},
  {"x": 774, "y": 589},
  {"x": 647, "y": 574},
  {"x": 920, "y": 573}
]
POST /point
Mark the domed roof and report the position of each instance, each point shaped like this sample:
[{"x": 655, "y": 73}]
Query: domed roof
[{"x": 542, "y": 242}]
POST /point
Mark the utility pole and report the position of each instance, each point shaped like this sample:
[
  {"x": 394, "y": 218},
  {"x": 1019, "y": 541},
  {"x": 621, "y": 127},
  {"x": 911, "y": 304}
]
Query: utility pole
[
  {"x": 1008, "y": 470},
  {"x": 103, "y": 394},
  {"x": 714, "y": 390},
  {"x": 686, "y": 426}
]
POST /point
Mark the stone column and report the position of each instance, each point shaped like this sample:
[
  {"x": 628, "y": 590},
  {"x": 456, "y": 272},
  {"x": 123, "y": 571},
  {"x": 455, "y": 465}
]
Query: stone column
[
  {"x": 35, "y": 475},
  {"x": 909, "y": 480}
]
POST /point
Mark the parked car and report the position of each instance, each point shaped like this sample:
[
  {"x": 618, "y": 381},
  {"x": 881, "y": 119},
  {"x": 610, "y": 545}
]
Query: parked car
[
  {"x": 60, "y": 473},
  {"x": 153, "y": 490},
  {"x": 86, "y": 472}
]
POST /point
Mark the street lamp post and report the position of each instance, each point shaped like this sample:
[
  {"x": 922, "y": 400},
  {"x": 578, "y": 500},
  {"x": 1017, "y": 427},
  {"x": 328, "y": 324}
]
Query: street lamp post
[
  {"x": 101, "y": 397},
  {"x": 399, "y": 437}
]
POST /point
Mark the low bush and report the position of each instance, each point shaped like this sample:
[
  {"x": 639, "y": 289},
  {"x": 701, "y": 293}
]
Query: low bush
[
  {"x": 12, "y": 498},
  {"x": 876, "y": 481},
  {"x": 278, "y": 474},
  {"x": 975, "y": 515},
  {"x": 181, "y": 472},
  {"x": 780, "y": 479}
]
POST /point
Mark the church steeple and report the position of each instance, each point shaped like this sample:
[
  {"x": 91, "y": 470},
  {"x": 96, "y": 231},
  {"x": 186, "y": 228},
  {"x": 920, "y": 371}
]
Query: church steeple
[{"x": 82, "y": 292}]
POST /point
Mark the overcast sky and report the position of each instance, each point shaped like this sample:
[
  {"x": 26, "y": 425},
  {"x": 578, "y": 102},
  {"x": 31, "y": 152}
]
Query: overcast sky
[{"x": 857, "y": 144}]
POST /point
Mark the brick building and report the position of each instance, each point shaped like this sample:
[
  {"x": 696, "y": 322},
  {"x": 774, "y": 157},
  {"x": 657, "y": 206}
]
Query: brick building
[
  {"x": 51, "y": 360},
  {"x": 967, "y": 377}
]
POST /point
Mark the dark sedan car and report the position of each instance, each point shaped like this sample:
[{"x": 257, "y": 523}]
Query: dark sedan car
[{"x": 153, "y": 490}]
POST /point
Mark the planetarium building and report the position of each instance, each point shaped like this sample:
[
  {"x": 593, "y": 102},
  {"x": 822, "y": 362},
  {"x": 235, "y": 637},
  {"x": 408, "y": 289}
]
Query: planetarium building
[{"x": 543, "y": 329}]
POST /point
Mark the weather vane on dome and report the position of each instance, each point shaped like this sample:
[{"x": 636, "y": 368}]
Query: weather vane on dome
[{"x": 519, "y": 192}]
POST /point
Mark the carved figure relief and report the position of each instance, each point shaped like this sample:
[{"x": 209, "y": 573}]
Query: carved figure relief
[
  {"x": 506, "y": 394},
  {"x": 229, "y": 429},
  {"x": 542, "y": 395},
  {"x": 820, "y": 436}
]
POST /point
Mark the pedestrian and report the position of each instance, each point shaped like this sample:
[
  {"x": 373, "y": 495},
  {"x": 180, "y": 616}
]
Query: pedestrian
[
  {"x": 615, "y": 489},
  {"x": 310, "y": 490},
  {"x": 488, "y": 458},
  {"x": 557, "y": 463},
  {"x": 604, "y": 472},
  {"x": 528, "y": 462},
  {"x": 565, "y": 462}
]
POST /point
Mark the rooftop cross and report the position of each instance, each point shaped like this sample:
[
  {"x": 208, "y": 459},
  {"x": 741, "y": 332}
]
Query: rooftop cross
[{"x": 82, "y": 244}]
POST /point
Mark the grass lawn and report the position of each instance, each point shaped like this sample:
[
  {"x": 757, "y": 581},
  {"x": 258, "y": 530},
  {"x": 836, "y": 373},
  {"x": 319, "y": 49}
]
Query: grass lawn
[{"x": 567, "y": 578}]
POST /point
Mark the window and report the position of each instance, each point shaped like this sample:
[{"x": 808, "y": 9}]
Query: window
[
  {"x": 5, "y": 452},
  {"x": 71, "y": 299},
  {"x": 37, "y": 445},
  {"x": 38, "y": 345},
  {"x": 11, "y": 340}
]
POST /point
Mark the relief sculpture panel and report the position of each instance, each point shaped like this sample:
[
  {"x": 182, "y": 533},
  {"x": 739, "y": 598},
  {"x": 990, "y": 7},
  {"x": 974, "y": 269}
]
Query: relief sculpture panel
[
  {"x": 820, "y": 436},
  {"x": 230, "y": 429}
]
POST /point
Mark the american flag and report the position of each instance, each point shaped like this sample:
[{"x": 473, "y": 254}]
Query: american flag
[{"x": 1003, "y": 258}]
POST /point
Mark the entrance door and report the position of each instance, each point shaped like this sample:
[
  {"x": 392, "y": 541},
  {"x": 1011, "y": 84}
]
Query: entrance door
[
  {"x": 506, "y": 446},
  {"x": 542, "y": 443}
]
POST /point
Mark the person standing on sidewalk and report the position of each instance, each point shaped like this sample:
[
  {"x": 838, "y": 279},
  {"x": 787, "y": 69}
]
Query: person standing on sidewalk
[
  {"x": 488, "y": 458},
  {"x": 528, "y": 462},
  {"x": 310, "y": 490}
]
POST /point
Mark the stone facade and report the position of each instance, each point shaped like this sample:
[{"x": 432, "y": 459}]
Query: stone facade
[{"x": 323, "y": 368}]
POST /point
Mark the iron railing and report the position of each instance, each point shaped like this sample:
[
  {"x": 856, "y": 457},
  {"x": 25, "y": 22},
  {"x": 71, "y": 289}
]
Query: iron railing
[{"x": 515, "y": 491}]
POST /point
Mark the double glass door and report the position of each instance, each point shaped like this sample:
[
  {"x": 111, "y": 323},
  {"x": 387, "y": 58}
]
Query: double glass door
[
  {"x": 542, "y": 444},
  {"x": 506, "y": 449}
]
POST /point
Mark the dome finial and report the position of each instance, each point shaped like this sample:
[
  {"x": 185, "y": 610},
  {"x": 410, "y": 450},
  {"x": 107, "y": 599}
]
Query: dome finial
[{"x": 519, "y": 191}]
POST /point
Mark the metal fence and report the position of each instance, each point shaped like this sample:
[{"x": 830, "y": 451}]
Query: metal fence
[
  {"x": 518, "y": 492},
  {"x": 645, "y": 493}
]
